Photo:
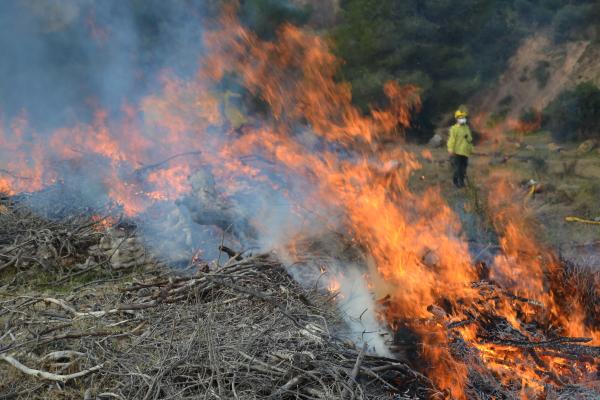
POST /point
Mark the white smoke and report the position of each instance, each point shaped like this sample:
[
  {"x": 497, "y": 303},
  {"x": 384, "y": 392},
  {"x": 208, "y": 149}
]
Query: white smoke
[{"x": 64, "y": 59}]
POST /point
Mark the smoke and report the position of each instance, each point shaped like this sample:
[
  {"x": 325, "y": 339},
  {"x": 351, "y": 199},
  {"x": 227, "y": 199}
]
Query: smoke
[
  {"x": 347, "y": 283},
  {"x": 62, "y": 58},
  {"x": 104, "y": 105},
  {"x": 76, "y": 66}
]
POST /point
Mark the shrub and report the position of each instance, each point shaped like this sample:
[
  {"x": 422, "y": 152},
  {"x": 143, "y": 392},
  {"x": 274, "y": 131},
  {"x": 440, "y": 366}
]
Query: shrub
[
  {"x": 570, "y": 20},
  {"x": 506, "y": 101},
  {"x": 536, "y": 14},
  {"x": 265, "y": 16},
  {"x": 575, "y": 113},
  {"x": 530, "y": 120},
  {"x": 541, "y": 73}
]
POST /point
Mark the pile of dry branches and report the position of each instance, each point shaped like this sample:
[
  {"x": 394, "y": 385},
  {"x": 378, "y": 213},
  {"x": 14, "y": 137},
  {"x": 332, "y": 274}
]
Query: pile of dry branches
[
  {"x": 240, "y": 330},
  {"x": 563, "y": 366},
  {"x": 86, "y": 312},
  {"x": 33, "y": 247}
]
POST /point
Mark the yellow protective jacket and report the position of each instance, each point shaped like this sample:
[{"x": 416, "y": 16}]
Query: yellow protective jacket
[{"x": 460, "y": 140}]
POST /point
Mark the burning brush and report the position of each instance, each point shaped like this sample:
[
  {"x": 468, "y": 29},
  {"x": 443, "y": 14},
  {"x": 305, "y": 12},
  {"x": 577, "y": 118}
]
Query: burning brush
[{"x": 310, "y": 164}]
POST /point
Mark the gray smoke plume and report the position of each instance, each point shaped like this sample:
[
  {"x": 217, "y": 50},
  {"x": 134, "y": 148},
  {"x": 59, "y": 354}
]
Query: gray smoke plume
[
  {"x": 63, "y": 60},
  {"x": 62, "y": 57}
]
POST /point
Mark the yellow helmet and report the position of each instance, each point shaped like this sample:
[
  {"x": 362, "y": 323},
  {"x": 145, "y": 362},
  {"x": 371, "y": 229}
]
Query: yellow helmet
[{"x": 460, "y": 113}]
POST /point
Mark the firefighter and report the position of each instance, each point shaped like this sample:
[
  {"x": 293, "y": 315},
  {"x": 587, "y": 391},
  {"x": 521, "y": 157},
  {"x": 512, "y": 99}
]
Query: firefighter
[{"x": 460, "y": 147}]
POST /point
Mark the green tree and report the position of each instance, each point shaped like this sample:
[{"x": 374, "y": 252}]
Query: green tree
[
  {"x": 449, "y": 48},
  {"x": 265, "y": 16},
  {"x": 571, "y": 20},
  {"x": 575, "y": 113}
]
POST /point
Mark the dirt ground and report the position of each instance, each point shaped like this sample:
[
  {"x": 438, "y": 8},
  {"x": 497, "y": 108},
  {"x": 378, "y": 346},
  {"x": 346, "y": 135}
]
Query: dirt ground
[{"x": 567, "y": 184}]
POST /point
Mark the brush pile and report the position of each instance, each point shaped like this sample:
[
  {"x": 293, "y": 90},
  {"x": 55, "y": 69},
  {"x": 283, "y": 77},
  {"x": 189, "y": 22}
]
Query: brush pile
[
  {"x": 86, "y": 312},
  {"x": 524, "y": 359}
]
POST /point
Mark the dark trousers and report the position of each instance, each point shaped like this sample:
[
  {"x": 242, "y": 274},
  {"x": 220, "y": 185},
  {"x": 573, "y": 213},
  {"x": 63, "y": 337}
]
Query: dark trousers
[{"x": 459, "y": 165}]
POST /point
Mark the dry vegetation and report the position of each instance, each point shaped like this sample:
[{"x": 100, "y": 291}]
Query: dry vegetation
[
  {"x": 87, "y": 312},
  {"x": 76, "y": 321},
  {"x": 568, "y": 184}
]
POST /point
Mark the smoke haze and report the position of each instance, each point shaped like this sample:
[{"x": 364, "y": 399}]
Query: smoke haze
[
  {"x": 106, "y": 102},
  {"x": 62, "y": 58}
]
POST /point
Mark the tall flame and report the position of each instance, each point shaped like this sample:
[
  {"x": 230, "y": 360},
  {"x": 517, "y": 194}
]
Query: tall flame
[{"x": 329, "y": 159}]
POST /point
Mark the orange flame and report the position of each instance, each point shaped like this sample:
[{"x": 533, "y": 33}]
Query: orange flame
[{"x": 414, "y": 241}]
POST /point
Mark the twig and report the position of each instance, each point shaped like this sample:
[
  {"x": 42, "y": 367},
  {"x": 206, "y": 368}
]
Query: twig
[
  {"x": 359, "y": 359},
  {"x": 150, "y": 167},
  {"x": 48, "y": 375},
  {"x": 295, "y": 381},
  {"x": 259, "y": 296}
]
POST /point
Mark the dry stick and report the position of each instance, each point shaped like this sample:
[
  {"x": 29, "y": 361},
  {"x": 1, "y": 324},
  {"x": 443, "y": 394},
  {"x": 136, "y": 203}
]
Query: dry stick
[
  {"x": 97, "y": 222},
  {"x": 20, "y": 394},
  {"x": 77, "y": 314},
  {"x": 124, "y": 308},
  {"x": 295, "y": 381},
  {"x": 161, "y": 163},
  {"x": 231, "y": 253},
  {"x": 39, "y": 341},
  {"x": 57, "y": 355},
  {"x": 83, "y": 271},
  {"x": 392, "y": 364},
  {"x": 159, "y": 376},
  {"x": 347, "y": 391},
  {"x": 540, "y": 363},
  {"x": 257, "y": 295},
  {"x": 269, "y": 368},
  {"x": 378, "y": 378},
  {"x": 113, "y": 395},
  {"x": 10, "y": 262},
  {"x": 47, "y": 375},
  {"x": 543, "y": 343},
  {"x": 221, "y": 246}
]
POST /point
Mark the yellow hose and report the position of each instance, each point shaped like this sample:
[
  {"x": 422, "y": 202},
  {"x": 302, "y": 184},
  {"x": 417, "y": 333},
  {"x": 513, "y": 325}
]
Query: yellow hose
[{"x": 581, "y": 220}]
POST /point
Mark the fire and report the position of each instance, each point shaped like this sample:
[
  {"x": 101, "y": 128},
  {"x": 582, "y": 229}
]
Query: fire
[
  {"x": 418, "y": 258},
  {"x": 103, "y": 223},
  {"x": 5, "y": 186},
  {"x": 334, "y": 285},
  {"x": 395, "y": 226}
]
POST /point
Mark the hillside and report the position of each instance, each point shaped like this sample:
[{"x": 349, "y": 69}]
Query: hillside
[
  {"x": 456, "y": 50},
  {"x": 567, "y": 175},
  {"x": 538, "y": 71}
]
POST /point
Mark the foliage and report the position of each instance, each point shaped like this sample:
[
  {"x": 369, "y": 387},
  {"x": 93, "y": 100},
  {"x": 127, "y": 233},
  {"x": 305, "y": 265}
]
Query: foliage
[
  {"x": 496, "y": 118},
  {"x": 506, "y": 101},
  {"x": 529, "y": 121},
  {"x": 541, "y": 73},
  {"x": 449, "y": 48},
  {"x": 575, "y": 113},
  {"x": 528, "y": 115},
  {"x": 265, "y": 16},
  {"x": 570, "y": 21}
]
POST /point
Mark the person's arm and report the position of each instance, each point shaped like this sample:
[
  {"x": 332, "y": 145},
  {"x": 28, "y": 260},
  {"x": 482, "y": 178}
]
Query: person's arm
[{"x": 451, "y": 140}]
